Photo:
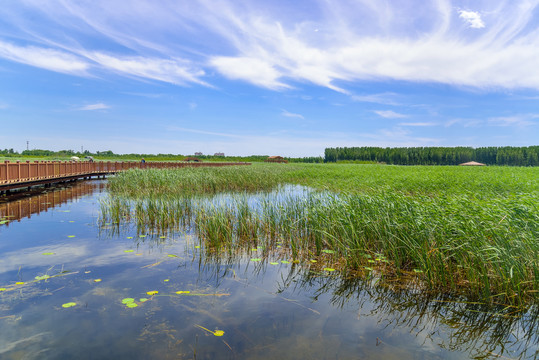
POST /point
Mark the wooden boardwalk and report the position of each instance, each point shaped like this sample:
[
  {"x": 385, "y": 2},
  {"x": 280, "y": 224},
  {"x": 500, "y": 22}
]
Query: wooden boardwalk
[{"x": 16, "y": 175}]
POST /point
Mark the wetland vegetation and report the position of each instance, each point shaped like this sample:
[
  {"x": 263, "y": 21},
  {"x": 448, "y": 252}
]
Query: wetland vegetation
[{"x": 440, "y": 230}]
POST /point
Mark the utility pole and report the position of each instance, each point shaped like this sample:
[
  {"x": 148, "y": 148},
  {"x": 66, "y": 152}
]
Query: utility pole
[{"x": 27, "y": 145}]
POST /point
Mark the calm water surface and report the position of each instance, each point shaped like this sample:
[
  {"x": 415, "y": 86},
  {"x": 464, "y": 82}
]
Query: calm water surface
[{"x": 53, "y": 252}]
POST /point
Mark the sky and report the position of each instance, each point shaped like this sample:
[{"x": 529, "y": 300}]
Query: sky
[{"x": 267, "y": 77}]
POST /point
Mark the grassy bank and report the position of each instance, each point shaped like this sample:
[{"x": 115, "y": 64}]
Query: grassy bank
[{"x": 457, "y": 229}]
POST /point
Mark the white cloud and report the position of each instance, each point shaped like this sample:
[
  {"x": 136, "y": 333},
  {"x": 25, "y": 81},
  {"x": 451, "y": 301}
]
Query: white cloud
[
  {"x": 515, "y": 121},
  {"x": 291, "y": 115},
  {"x": 255, "y": 71},
  {"x": 419, "y": 124},
  {"x": 389, "y": 114},
  {"x": 472, "y": 18},
  {"x": 384, "y": 98},
  {"x": 3, "y": 106},
  {"x": 98, "y": 106},
  {"x": 172, "y": 71},
  {"x": 50, "y": 59}
]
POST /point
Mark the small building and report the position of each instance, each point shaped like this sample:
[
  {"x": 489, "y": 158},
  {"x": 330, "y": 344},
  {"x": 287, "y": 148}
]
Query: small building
[
  {"x": 276, "y": 159},
  {"x": 198, "y": 154},
  {"x": 219, "y": 154},
  {"x": 472, "y": 163}
]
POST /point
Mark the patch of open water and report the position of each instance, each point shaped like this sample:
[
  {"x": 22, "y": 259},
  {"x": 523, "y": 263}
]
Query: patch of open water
[{"x": 265, "y": 310}]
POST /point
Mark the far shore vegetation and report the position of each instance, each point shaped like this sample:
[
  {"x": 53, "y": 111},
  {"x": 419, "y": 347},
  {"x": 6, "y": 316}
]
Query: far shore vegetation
[{"x": 471, "y": 231}]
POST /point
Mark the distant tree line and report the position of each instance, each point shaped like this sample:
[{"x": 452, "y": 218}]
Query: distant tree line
[{"x": 507, "y": 155}]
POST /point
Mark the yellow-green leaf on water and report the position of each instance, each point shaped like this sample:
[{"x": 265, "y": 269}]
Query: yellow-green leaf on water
[
  {"x": 329, "y": 269},
  {"x": 172, "y": 255},
  {"x": 48, "y": 253},
  {"x": 143, "y": 300},
  {"x": 70, "y": 236},
  {"x": 127, "y": 300},
  {"x": 197, "y": 247},
  {"x": 42, "y": 277},
  {"x": 131, "y": 305},
  {"x": 3, "y": 289},
  {"x": 142, "y": 236},
  {"x": 71, "y": 221},
  {"x": 285, "y": 262},
  {"x": 256, "y": 259},
  {"x": 129, "y": 251},
  {"x": 97, "y": 280},
  {"x": 138, "y": 254},
  {"x": 129, "y": 237},
  {"x": 274, "y": 263},
  {"x": 162, "y": 237},
  {"x": 19, "y": 283},
  {"x": 216, "y": 332},
  {"x": 183, "y": 292},
  {"x": 166, "y": 280},
  {"x": 69, "y": 304},
  {"x": 153, "y": 292}
]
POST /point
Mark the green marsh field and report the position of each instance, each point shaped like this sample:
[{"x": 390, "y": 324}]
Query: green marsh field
[{"x": 471, "y": 232}]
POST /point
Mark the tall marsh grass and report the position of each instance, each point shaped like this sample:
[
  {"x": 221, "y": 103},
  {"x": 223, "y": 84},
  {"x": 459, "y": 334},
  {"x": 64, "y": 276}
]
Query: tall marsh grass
[{"x": 476, "y": 233}]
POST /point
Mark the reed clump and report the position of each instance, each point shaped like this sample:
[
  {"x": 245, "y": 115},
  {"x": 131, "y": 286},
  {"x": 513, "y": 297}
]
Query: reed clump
[{"x": 452, "y": 236}]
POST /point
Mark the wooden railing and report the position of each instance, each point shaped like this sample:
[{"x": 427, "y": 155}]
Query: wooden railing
[{"x": 24, "y": 172}]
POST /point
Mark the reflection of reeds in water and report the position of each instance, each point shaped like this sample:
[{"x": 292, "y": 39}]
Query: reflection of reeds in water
[{"x": 451, "y": 244}]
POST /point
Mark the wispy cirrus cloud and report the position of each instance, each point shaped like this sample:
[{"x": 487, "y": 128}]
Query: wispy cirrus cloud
[
  {"x": 90, "y": 107},
  {"x": 515, "y": 121},
  {"x": 390, "y": 114},
  {"x": 291, "y": 115},
  {"x": 267, "y": 45},
  {"x": 418, "y": 124}
]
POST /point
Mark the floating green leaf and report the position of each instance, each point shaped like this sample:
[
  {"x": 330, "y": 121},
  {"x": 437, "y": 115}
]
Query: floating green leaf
[
  {"x": 70, "y": 236},
  {"x": 43, "y": 277},
  {"x": 143, "y": 300},
  {"x": 162, "y": 237},
  {"x": 197, "y": 247},
  {"x": 49, "y": 253},
  {"x": 131, "y": 305},
  {"x": 4, "y": 222},
  {"x": 69, "y": 304},
  {"x": 216, "y": 332},
  {"x": 183, "y": 292},
  {"x": 274, "y": 263},
  {"x": 172, "y": 255},
  {"x": 97, "y": 280},
  {"x": 129, "y": 251},
  {"x": 127, "y": 300},
  {"x": 166, "y": 280},
  {"x": 3, "y": 289},
  {"x": 256, "y": 259},
  {"x": 285, "y": 261},
  {"x": 153, "y": 292},
  {"x": 129, "y": 237},
  {"x": 19, "y": 283},
  {"x": 142, "y": 236}
]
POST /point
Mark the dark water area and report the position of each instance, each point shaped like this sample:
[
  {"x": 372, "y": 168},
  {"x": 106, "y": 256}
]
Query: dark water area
[{"x": 71, "y": 288}]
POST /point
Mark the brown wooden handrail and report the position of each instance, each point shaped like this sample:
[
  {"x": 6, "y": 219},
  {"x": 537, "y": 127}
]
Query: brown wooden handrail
[{"x": 27, "y": 171}]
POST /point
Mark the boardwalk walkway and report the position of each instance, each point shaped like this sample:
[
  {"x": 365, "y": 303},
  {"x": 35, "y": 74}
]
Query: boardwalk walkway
[{"x": 14, "y": 175}]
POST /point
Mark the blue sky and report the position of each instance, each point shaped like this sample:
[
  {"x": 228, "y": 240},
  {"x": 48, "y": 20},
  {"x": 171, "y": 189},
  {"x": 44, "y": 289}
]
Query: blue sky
[{"x": 267, "y": 77}]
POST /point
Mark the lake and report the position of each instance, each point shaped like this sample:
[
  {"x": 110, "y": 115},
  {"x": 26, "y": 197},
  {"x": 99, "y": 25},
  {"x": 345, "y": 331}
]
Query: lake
[{"x": 72, "y": 287}]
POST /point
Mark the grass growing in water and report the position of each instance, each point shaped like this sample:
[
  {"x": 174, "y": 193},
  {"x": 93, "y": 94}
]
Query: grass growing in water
[{"x": 459, "y": 229}]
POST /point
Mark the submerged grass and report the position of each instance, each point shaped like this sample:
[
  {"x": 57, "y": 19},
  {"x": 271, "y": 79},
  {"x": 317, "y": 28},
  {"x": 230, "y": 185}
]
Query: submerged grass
[{"x": 460, "y": 230}]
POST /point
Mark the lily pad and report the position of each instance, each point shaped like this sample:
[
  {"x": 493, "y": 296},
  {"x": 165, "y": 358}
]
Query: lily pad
[
  {"x": 127, "y": 300},
  {"x": 218, "y": 333},
  {"x": 153, "y": 292},
  {"x": 69, "y": 304},
  {"x": 131, "y": 305},
  {"x": 3, "y": 289},
  {"x": 19, "y": 283},
  {"x": 172, "y": 255},
  {"x": 142, "y": 236},
  {"x": 129, "y": 237},
  {"x": 129, "y": 251},
  {"x": 274, "y": 263},
  {"x": 162, "y": 237},
  {"x": 142, "y": 300},
  {"x": 49, "y": 253},
  {"x": 285, "y": 261},
  {"x": 166, "y": 280},
  {"x": 4, "y": 222},
  {"x": 97, "y": 280},
  {"x": 70, "y": 236},
  {"x": 183, "y": 292},
  {"x": 256, "y": 259}
]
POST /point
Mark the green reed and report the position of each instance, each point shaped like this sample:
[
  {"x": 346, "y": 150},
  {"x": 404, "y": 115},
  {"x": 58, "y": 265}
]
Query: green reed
[{"x": 463, "y": 232}]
